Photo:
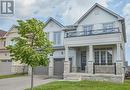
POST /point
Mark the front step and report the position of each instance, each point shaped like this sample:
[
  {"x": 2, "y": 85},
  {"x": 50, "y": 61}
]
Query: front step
[{"x": 72, "y": 76}]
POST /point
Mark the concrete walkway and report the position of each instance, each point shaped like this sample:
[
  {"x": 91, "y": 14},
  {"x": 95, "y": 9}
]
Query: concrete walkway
[{"x": 21, "y": 83}]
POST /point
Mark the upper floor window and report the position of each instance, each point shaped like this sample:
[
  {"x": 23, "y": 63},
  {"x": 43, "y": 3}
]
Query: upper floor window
[
  {"x": 108, "y": 27},
  {"x": 88, "y": 29},
  {"x": 57, "y": 38}
]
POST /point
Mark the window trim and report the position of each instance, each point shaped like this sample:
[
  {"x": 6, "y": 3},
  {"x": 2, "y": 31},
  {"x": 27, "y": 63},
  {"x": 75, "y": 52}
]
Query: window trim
[
  {"x": 108, "y": 28},
  {"x": 57, "y": 44},
  {"x": 88, "y": 31},
  {"x": 106, "y": 60}
]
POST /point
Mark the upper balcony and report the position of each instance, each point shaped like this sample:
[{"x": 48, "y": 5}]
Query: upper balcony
[
  {"x": 69, "y": 34},
  {"x": 94, "y": 37}
]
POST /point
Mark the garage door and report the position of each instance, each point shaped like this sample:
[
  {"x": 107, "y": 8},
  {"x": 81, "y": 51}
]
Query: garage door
[
  {"x": 5, "y": 67},
  {"x": 59, "y": 67},
  {"x": 40, "y": 70}
]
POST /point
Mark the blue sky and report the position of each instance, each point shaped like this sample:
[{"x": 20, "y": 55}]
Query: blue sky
[{"x": 65, "y": 11}]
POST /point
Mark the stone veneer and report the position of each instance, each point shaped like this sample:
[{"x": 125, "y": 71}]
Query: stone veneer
[{"x": 95, "y": 77}]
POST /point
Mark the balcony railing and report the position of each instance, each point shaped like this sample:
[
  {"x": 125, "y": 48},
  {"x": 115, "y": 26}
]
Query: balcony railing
[{"x": 91, "y": 32}]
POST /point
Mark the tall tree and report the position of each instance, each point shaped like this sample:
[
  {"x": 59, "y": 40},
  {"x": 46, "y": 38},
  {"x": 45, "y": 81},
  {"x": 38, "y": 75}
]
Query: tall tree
[{"x": 32, "y": 47}]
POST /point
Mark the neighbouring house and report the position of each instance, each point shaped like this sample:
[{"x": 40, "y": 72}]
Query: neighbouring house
[
  {"x": 127, "y": 72},
  {"x": 7, "y": 66},
  {"x": 93, "y": 48},
  {"x": 3, "y": 66}
]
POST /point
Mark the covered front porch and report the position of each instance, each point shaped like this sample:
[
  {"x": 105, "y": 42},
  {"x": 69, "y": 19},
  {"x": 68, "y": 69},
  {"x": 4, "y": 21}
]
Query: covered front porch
[{"x": 94, "y": 61}]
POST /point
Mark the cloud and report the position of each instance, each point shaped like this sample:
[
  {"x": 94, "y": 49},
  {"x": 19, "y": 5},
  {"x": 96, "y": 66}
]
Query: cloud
[
  {"x": 66, "y": 11},
  {"x": 118, "y": 4},
  {"x": 72, "y": 10},
  {"x": 128, "y": 41},
  {"x": 126, "y": 12}
]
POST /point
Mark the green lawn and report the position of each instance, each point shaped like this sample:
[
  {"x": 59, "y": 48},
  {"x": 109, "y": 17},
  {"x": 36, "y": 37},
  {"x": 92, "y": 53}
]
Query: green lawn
[
  {"x": 11, "y": 76},
  {"x": 84, "y": 85}
]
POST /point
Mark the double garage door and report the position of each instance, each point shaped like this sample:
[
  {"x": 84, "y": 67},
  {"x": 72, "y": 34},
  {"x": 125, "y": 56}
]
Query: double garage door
[
  {"x": 5, "y": 67},
  {"x": 58, "y": 68}
]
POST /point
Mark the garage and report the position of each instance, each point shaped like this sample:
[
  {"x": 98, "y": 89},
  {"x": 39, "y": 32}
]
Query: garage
[
  {"x": 58, "y": 68},
  {"x": 40, "y": 70},
  {"x": 5, "y": 67}
]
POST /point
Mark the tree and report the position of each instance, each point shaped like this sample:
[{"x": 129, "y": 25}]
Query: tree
[{"x": 32, "y": 47}]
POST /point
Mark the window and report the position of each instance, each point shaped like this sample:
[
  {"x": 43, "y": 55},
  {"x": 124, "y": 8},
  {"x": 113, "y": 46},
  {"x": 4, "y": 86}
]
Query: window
[
  {"x": 6, "y": 60},
  {"x": 97, "y": 57},
  {"x": 109, "y": 56},
  {"x": 3, "y": 60},
  {"x": 57, "y": 38},
  {"x": 4, "y": 43},
  {"x": 12, "y": 43},
  {"x": 88, "y": 29},
  {"x": 9, "y": 60},
  {"x": 108, "y": 27},
  {"x": 5, "y": 54},
  {"x": 103, "y": 56}
]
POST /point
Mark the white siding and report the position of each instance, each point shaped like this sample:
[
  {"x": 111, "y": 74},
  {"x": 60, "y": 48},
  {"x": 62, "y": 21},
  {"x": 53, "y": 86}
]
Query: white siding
[
  {"x": 10, "y": 35},
  {"x": 61, "y": 54},
  {"x": 97, "y": 17},
  {"x": 93, "y": 40},
  {"x": 53, "y": 27}
]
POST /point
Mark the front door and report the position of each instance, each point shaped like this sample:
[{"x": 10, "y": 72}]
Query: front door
[{"x": 83, "y": 60}]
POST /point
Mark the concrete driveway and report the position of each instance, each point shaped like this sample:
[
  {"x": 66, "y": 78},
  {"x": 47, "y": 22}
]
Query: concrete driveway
[{"x": 20, "y": 83}]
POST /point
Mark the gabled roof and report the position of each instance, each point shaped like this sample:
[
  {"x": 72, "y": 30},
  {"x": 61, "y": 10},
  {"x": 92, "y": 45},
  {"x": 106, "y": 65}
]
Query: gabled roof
[
  {"x": 2, "y": 33},
  {"x": 13, "y": 26},
  {"x": 103, "y": 8},
  {"x": 52, "y": 19}
]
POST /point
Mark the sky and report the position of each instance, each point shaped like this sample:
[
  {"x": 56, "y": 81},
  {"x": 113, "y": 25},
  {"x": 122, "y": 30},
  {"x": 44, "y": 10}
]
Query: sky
[{"x": 66, "y": 12}]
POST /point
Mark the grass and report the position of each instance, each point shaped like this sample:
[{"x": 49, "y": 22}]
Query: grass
[
  {"x": 83, "y": 85},
  {"x": 12, "y": 75}
]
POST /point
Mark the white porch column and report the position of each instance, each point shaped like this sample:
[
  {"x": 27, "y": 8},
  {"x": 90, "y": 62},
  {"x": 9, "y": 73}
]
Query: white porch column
[
  {"x": 91, "y": 60},
  {"x": 118, "y": 52},
  {"x": 66, "y": 62},
  {"x": 74, "y": 64},
  {"x": 66, "y": 53},
  {"x": 119, "y": 61},
  {"x": 51, "y": 66}
]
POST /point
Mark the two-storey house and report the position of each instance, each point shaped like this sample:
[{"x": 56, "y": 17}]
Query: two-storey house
[
  {"x": 94, "y": 46},
  {"x": 7, "y": 66}
]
